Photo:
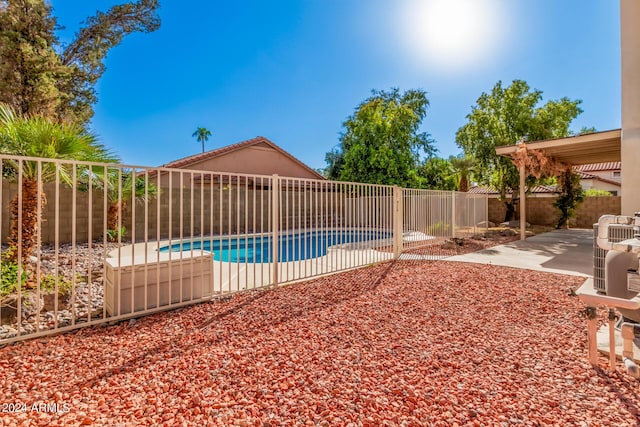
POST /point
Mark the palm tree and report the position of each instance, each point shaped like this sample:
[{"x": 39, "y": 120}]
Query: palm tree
[
  {"x": 462, "y": 167},
  {"x": 202, "y": 135},
  {"x": 36, "y": 136},
  {"x": 122, "y": 189}
]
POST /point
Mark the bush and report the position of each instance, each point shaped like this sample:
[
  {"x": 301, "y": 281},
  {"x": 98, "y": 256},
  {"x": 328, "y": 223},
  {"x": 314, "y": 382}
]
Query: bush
[
  {"x": 9, "y": 277},
  {"x": 112, "y": 235},
  {"x": 439, "y": 228},
  {"x": 596, "y": 192}
]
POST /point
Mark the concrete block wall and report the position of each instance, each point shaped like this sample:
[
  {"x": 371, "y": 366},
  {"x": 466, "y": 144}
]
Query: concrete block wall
[{"x": 540, "y": 210}]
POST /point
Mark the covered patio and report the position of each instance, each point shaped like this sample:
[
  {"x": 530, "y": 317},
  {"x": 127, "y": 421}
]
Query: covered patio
[{"x": 595, "y": 147}]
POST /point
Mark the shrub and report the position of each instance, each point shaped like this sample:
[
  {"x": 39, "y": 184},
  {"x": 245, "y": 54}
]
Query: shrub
[
  {"x": 596, "y": 192},
  {"x": 9, "y": 277},
  {"x": 439, "y": 228},
  {"x": 112, "y": 235}
]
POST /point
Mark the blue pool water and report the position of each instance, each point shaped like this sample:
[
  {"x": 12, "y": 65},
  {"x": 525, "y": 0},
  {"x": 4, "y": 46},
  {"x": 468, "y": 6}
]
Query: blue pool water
[{"x": 293, "y": 247}]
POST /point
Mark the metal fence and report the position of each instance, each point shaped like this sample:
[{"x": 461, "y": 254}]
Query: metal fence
[{"x": 88, "y": 243}]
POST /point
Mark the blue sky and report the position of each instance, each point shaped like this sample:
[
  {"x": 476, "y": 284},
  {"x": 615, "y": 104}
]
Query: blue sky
[{"x": 293, "y": 71}]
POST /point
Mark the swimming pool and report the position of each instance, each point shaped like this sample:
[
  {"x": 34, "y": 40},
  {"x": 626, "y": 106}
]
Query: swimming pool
[{"x": 293, "y": 246}]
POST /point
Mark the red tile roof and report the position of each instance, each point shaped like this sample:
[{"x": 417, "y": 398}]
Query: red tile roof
[
  {"x": 596, "y": 167},
  {"x": 196, "y": 158}
]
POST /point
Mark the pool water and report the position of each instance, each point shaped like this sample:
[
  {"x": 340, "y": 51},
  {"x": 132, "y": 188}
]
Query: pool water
[{"x": 293, "y": 247}]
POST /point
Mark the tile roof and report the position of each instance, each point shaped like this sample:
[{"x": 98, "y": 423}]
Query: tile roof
[
  {"x": 489, "y": 190},
  {"x": 585, "y": 175},
  {"x": 196, "y": 158},
  {"x": 596, "y": 167}
]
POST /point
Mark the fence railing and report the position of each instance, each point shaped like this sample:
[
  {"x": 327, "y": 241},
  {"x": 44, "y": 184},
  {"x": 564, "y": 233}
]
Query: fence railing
[{"x": 86, "y": 243}]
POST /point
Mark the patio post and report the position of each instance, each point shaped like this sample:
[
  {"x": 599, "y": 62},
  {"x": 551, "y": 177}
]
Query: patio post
[{"x": 523, "y": 207}]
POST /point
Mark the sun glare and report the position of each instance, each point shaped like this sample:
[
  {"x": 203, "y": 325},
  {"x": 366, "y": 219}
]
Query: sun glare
[{"x": 450, "y": 34}]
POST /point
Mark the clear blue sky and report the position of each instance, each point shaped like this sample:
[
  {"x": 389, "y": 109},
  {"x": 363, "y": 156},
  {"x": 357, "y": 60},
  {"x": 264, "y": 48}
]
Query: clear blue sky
[{"x": 293, "y": 71}]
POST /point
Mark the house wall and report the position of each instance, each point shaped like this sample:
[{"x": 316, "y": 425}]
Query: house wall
[
  {"x": 630, "y": 67},
  {"x": 607, "y": 174},
  {"x": 595, "y": 183},
  {"x": 540, "y": 211},
  {"x": 254, "y": 160}
]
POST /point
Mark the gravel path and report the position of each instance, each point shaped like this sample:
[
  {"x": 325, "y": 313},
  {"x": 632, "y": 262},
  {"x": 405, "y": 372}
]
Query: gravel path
[{"x": 404, "y": 343}]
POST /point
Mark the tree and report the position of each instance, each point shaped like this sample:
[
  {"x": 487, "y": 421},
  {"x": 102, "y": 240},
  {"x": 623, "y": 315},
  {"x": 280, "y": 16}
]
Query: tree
[
  {"x": 36, "y": 136},
  {"x": 335, "y": 161},
  {"x": 462, "y": 169},
  {"x": 202, "y": 135},
  {"x": 29, "y": 65},
  {"x": 437, "y": 174},
  {"x": 381, "y": 142},
  {"x": 507, "y": 116},
  {"x": 571, "y": 195},
  {"x": 38, "y": 77}
]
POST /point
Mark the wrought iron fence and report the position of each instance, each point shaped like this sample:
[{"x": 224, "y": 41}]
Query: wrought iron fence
[{"x": 88, "y": 243}]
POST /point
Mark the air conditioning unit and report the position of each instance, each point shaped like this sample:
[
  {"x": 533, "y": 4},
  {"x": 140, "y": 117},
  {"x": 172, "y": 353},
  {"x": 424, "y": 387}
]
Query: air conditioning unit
[
  {"x": 145, "y": 283},
  {"x": 617, "y": 233}
]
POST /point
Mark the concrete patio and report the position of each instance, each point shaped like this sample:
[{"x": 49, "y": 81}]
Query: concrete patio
[{"x": 559, "y": 251}]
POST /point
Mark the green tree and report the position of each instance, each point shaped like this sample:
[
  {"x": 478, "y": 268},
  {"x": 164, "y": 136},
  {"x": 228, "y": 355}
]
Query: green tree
[
  {"x": 506, "y": 116},
  {"x": 381, "y": 142},
  {"x": 335, "y": 161},
  {"x": 571, "y": 195},
  {"x": 202, "y": 135},
  {"x": 29, "y": 66},
  {"x": 39, "y": 77},
  {"x": 35, "y": 136},
  {"x": 462, "y": 169},
  {"x": 437, "y": 174}
]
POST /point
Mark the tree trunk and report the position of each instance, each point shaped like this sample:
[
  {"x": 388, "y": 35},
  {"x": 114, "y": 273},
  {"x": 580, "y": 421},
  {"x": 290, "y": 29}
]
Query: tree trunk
[
  {"x": 511, "y": 210},
  {"x": 29, "y": 239},
  {"x": 112, "y": 216},
  {"x": 464, "y": 184}
]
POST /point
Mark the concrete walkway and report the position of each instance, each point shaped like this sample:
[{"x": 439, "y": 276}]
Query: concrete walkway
[{"x": 559, "y": 251}]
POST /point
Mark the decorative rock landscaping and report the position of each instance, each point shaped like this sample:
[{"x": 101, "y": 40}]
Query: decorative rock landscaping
[{"x": 399, "y": 343}]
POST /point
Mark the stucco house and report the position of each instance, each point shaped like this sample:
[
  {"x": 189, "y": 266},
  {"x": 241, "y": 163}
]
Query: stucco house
[
  {"x": 602, "y": 176},
  {"x": 257, "y": 156}
]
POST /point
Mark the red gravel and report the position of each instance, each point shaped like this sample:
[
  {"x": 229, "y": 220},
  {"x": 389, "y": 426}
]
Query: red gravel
[{"x": 405, "y": 343}]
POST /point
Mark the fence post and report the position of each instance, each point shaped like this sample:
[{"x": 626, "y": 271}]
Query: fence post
[
  {"x": 398, "y": 219},
  {"x": 453, "y": 213},
  {"x": 275, "y": 226}
]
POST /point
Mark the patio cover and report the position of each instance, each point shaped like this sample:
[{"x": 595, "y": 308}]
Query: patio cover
[{"x": 595, "y": 147}]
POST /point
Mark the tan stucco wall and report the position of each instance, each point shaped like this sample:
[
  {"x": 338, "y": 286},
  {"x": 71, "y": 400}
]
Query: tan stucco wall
[
  {"x": 630, "y": 55},
  {"x": 259, "y": 160}
]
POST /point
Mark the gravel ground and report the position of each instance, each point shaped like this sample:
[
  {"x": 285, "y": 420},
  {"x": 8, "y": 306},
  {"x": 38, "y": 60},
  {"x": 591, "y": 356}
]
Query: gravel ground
[{"x": 398, "y": 343}]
